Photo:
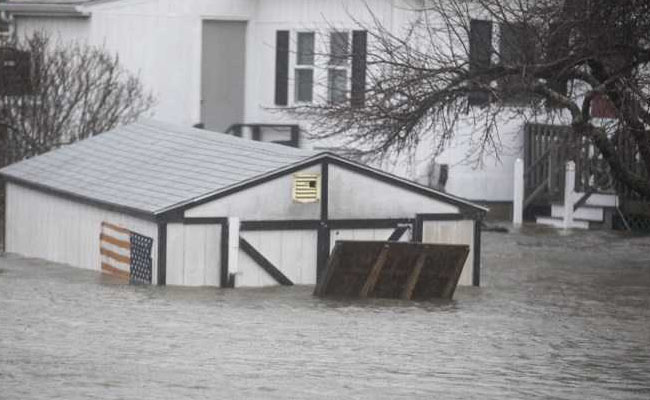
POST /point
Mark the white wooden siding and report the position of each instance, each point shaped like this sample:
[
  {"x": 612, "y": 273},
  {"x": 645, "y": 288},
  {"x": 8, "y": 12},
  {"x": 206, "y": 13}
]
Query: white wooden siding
[
  {"x": 292, "y": 252},
  {"x": 269, "y": 200},
  {"x": 352, "y": 195},
  {"x": 453, "y": 232},
  {"x": 61, "y": 30},
  {"x": 193, "y": 255},
  {"x": 65, "y": 231}
]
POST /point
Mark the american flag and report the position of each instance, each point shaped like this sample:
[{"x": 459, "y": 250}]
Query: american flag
[{"x": 125, "y": 253}]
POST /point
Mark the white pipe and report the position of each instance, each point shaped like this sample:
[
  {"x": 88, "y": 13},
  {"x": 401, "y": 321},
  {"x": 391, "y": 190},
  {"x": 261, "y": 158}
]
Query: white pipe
[{"x": 569, "y": 187}]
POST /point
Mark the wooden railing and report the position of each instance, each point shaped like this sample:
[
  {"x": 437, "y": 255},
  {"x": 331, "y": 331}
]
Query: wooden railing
[
  {"x": 547, "y": 148},
  {"x": 286, "y": 134},
  {"x": 545, "y": 153}
]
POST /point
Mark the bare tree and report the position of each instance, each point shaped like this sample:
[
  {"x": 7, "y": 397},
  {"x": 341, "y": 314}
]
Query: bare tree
[
  {"x": 60, "y": 94},
  {"x": 483, "y": 61}
]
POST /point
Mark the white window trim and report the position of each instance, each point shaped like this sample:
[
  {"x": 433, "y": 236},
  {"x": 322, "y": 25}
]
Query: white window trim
[{"x": 294, "y": 66}]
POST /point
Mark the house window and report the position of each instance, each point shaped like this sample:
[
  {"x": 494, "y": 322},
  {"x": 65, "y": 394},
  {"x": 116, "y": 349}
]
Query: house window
[
  {"x": 337, "y": 73},
  {"x": 339, "y": 48},
  {"x": 517, "y": 46},
  {"x": 306, "y": 188},
  {"x": 337, "y": 83},
  {"x": 304, "y": 72}
]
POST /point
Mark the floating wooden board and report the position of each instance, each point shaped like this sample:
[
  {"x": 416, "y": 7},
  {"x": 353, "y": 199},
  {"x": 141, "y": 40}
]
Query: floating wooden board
[{"x": 397, "y": 270}]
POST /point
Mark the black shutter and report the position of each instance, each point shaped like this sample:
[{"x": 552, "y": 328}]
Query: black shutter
[
  {"x": 558, "y": 48},
  {"x": 480, "y": 54},
  {"x": 359, "y": 55},
  {"x": 282, "y": 68}
]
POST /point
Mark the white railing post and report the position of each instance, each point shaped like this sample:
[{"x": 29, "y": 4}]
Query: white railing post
[
  {"x": 233, "y": 247},
  {"x": 569, "y": 190},
  {"x": 518, "y": 193}
]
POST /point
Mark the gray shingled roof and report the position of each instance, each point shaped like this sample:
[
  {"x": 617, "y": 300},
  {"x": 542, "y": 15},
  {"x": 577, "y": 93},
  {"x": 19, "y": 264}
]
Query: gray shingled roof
[{"x": 151, "y": 166}]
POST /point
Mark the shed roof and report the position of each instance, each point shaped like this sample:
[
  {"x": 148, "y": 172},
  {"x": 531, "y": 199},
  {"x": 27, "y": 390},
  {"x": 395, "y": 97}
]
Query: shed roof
[{"x": 150, "y": 167}]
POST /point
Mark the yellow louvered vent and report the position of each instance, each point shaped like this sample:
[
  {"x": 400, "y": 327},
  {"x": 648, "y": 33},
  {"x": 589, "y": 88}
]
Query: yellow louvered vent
[{"x": 306, "y": 188}]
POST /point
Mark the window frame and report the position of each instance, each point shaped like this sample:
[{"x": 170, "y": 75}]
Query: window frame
[{"x": 298, "y": 66}]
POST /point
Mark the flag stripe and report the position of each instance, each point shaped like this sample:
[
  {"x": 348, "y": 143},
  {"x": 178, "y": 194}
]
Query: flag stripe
[
  {"x": 115, "y": 241},
  {"x": 116, "y": 228},
  {"x": 115, "y": 256},
  {"x": 115, "y": 271}
]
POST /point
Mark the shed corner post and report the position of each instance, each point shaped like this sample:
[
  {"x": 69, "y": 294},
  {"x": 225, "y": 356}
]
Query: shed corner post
[
  {"x": 162, "y": 252},
  {"x": 224, "y": 249},
  {"x": 418, "y": 229},
  {"x": 230, "y": 250},
  {"x": 476, "y": 276},
  {"x": 323, "y": 233}
]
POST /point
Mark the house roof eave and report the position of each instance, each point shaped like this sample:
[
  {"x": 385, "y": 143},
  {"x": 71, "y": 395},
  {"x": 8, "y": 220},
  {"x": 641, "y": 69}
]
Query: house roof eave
[{"x": 18, "y": 9}]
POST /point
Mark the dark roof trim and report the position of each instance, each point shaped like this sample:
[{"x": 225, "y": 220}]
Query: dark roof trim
[
  {"x": 82, "y": 199},
  {"x": 465, "y": 207},
  {"x": 43, "y": 10}
]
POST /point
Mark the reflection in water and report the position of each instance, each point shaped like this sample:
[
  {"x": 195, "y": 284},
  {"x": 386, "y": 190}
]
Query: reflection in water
[{"x": 557, "y": 317}]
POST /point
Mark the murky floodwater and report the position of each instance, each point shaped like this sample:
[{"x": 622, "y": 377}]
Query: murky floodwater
[{"x": 557, "y": 317}]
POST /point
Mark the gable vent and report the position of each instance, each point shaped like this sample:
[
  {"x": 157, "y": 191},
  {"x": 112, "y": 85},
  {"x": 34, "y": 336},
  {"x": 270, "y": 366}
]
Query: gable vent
[{"x": 306, "y": 188}]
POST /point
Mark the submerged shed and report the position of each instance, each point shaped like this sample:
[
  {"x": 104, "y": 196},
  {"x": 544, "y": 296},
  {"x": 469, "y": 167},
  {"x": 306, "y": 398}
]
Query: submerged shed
[{"x": 183, "y": 206}]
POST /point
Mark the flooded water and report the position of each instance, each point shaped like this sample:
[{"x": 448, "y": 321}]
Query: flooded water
[{"x": 557, "y": 317}]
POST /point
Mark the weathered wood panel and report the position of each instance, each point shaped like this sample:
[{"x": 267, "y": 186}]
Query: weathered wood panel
[{"x": 417, "y": 271}]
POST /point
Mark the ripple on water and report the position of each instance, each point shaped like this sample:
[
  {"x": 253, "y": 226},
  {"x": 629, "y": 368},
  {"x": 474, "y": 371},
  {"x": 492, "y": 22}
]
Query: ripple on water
[{"x": 557, "y": 317}]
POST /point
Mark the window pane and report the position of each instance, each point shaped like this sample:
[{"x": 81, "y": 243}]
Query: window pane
[
  {"x": 337, "y": 83},
  {"x": 517, "y": 44},
  {"x": 339, "y": 45},
  {"x": 304, "y": 84},
  {"x": 305, "y": 53}
]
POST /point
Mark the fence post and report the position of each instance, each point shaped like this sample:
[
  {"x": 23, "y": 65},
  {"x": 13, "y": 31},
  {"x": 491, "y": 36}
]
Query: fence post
[
  {"x": 569, "y": 188},
  {"x": 518, "y": 193}
]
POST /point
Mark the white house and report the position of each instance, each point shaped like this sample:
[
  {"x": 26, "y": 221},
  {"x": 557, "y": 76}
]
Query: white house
[
  {"x": 225, "y": 62},
  {"x": 184, "y": 206}
]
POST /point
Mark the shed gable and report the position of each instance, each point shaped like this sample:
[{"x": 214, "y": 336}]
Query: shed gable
[{"x": 356, "y": 195}]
